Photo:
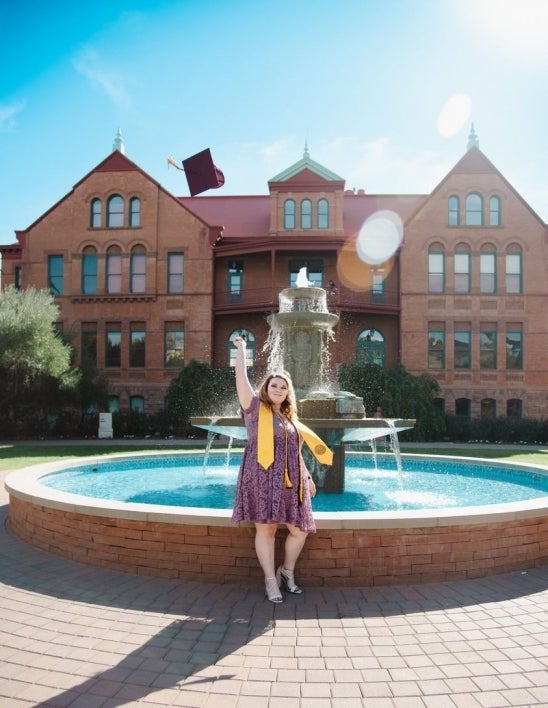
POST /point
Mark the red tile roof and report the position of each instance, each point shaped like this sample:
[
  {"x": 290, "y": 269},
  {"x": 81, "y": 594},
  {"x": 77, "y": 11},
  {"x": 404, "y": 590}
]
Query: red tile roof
[{"x": 249, "y": 216}]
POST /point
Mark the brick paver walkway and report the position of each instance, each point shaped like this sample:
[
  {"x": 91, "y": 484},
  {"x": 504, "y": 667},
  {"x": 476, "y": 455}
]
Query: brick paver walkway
[{"x": 73, "y": 635}]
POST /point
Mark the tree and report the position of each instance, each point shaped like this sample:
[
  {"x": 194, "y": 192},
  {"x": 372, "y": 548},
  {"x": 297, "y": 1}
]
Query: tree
[
  {"x": 200, "y": 390},
  {"x": 35, "y": 362},
  {"x": 364, "y": 380},
  {"x": 398, "y": 394},
  {"x": 408, "y": 396}
]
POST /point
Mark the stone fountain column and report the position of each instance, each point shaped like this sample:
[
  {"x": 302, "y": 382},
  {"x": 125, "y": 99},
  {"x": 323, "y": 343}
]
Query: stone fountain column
[
  {"x": 297, "y": 338},
  {"x": 297, "y": 343}
]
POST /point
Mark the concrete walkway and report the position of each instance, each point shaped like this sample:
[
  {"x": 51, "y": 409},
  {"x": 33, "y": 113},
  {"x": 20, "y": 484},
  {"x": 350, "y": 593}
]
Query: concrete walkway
[{"x": 73, "y": 635}]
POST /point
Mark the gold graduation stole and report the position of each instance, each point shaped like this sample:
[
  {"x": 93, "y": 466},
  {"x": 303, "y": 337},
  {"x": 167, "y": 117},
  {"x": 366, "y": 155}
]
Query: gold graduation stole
[{"x": 265, "y": 439}]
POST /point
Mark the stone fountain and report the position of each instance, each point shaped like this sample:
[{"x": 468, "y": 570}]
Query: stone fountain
[{"x": 297, "y": 343}]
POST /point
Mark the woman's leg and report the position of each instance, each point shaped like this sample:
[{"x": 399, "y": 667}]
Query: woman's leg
[
  {"x": 265, "y": 538},
  {"x": 294, "y": 543}
]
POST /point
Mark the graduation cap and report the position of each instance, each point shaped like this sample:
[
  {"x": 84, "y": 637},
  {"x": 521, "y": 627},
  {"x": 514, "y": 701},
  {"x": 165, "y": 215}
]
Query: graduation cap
[{"x": 201, "y": 173}]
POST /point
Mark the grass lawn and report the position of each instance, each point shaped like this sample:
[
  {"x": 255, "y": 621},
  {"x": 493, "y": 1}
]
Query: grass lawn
[{"x": 14, "y": 456}]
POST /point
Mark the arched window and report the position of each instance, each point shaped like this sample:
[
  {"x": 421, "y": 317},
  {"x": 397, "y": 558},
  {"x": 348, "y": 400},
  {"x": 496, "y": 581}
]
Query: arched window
[
  {"x": 89, "y": 270},
  {"x": 514, "y": 408},
  {"x": 134, "y": 212},
  {"x": 453, "y": 211},
  {"x": 436, "y": 268},
  {"x": 439, "y": 405},
  {"x": 370, "y": 347},
  {"x": 96, "y": 214},
  {"x": 495, "y": 216},
  {"x": 115, "y": 211},
  {"x": 306, "y": 214},
  {"x": 137, "y": 404},
  {"x": 323, "y": 214},
  {"x": 289, "y": 214},
  {"x": 114, "y": 270},
  {"x": 474, "y": 210},
  {"x": 462, "y": 268},
  {"x": 463, "y": 407},
  {"x": 138, "y": 270},
  {"x": 114, "y": 404},
  {"x": 251, "y": 347},
  {"x": 514, "y": 283},
  {"x": 488, "y": 408},
  {"x": 488, "y": 269}
]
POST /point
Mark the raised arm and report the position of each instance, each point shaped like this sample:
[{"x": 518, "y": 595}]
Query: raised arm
[{"x": 243, "y": 387}]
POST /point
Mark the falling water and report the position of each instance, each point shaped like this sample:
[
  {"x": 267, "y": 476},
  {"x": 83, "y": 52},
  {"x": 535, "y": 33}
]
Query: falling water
[
  {"x": 211, "y": 435},
  {"x": 395, "y": 446},
  {"x": 373, "y": 445},
  {"x": 274, "y": 349}
]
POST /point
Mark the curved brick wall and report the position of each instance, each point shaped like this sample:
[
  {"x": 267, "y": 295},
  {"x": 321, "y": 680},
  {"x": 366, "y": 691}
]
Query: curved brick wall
[{"x": 214, "y": 550}]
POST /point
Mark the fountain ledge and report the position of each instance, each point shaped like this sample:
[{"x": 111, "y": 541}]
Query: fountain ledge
[
  {"x": 349, "y": 429},
  {"x": 349, "y": 548}
]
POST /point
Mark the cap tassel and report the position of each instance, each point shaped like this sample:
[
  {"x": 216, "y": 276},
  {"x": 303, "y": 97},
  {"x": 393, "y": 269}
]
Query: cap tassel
[{"x": 287, "y": 480}]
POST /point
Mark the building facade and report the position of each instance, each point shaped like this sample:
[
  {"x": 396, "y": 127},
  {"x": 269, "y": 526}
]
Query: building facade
[{"x": 146, "y": 281}]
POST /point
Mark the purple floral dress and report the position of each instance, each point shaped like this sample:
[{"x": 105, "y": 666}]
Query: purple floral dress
[{"x": 261, "y": 495}]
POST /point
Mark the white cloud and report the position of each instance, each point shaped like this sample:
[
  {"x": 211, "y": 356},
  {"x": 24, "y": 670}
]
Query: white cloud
[
  {"x": 378, "y": 166},
  {"x": 381, "y": 168},
  {"x": 278, "y": 147},
  {"x": 89, "y": 64},
  {"x": 7, "y": 115}
]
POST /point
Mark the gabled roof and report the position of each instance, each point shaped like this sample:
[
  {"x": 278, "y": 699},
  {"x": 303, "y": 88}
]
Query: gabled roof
[
  {"x": 306, "y": 163},
  {"x": 475, "y": 162},
  {"x": 115, "y": 162}
]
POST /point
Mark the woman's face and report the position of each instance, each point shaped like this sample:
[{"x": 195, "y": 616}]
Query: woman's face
[{"x": 277, "y": 390}]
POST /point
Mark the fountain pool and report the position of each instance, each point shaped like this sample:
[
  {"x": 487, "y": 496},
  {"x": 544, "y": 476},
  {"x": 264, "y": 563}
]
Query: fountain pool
[{"x": 441, "y": 540}]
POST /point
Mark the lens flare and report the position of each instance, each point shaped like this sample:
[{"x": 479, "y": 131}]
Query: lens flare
[
  {"x": 454, "y": 114},
  {"x": 379, "y": 238}
]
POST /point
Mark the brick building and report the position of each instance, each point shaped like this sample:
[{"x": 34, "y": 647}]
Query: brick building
[{"x": 146, "y": 281}]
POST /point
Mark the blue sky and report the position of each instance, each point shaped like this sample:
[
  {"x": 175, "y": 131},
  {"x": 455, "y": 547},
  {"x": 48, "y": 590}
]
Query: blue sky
[{"x": 382, "y": 91}]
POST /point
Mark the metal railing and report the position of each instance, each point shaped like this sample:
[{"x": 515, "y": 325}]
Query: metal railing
[{"x": 267, "y": 299}]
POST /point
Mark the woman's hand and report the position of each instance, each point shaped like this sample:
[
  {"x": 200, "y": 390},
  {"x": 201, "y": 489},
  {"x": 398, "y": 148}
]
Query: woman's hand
[
  {"x": 243, "y": 387},
  {"x": 311, "y": 486}
]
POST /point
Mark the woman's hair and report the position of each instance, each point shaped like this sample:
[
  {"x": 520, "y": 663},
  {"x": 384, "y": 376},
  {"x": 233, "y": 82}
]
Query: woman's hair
[{"x": 289, "y": 406}]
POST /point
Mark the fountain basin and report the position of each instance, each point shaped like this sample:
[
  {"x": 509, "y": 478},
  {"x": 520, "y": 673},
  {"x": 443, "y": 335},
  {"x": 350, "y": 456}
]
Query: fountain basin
[
  {"x": 349, "y": 549},
  {"x": 305, "y": 319},
  {"x": 334, "y": 431},
  {"x": 342, "y": 430}
]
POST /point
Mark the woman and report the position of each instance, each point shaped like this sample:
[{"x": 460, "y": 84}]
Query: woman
[{"x": 274, "y": 486}]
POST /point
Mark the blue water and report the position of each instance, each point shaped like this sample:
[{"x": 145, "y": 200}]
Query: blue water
[{"x": 424, "y": 483}]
